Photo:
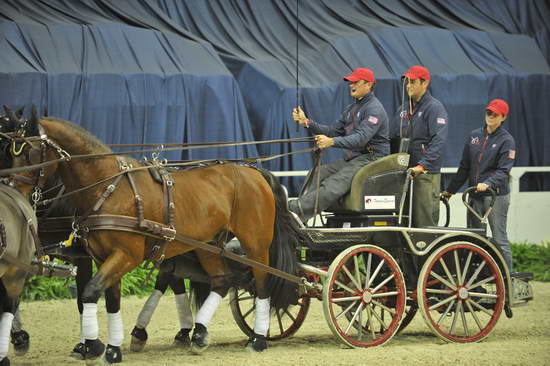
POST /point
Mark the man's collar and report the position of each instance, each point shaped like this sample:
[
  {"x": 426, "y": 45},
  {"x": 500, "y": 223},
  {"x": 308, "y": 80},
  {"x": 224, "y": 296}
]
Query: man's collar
[{"x": 365, "y": 98}]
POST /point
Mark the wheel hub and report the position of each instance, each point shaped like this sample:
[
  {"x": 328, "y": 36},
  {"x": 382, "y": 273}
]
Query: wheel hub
[
  {"x": 367, "y": 297},
  {"x": 463, "y": 293}
]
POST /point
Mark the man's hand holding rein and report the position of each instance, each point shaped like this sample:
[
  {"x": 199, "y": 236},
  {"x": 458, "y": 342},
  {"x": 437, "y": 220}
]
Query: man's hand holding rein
[{"x": 323, "y": 141}]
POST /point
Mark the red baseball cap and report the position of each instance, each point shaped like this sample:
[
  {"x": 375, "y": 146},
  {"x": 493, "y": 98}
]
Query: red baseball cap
[
  {"x": 361, "y": 74},
  {"x": 498, "y": 106},
  {"x": 417, "y": 72}
]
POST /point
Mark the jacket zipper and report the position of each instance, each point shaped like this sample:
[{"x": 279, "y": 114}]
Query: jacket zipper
[{"x": 483, "y": 148}]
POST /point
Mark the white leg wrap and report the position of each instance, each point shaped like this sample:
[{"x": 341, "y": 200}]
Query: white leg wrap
[
  {"x": 207, "y": 310},
  {"x": 148, "y": 309},
  {"x": 5, "y": 329},
  {"x": 116, "y": 331},
  {"x": 261, "y": 323},
  {"x": 89, "y": 321},
  {"x": 82, "y": 339},
  {"x": 17, "y": 324},
  {"x": 184, "y": 311}
]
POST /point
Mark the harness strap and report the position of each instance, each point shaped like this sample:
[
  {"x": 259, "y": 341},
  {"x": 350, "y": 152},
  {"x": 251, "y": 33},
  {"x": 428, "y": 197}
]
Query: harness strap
[
  {"x": 130, "y": 224},
  {"x": 3, "y": 238}
]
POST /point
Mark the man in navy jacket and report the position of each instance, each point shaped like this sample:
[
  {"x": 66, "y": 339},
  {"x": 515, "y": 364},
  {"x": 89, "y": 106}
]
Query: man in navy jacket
[
  {"x": 424, "y": 120},
  {"x": 362, "y": 132},
  {"x": 488, "y": 157}
]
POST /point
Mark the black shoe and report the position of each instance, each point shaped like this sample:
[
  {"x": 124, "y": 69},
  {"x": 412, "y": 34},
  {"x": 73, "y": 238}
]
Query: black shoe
[
  {"x": 139, "y": 339},
  {"x": 182, "y": 338},
  {"x": 21, "y": 342},
  {"x": 93, "y": 349},
  {"x": 113, "y": 354},
  {"x": 256, "y": 343},
  {"x": 199, "y": 340},
  {"x": 78, "y": 351}
]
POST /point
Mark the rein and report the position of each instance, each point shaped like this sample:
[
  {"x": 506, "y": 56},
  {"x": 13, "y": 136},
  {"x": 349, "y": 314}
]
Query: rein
[
  {"x": 10, "y": 171},
  {"x": 190, "y": 163}
]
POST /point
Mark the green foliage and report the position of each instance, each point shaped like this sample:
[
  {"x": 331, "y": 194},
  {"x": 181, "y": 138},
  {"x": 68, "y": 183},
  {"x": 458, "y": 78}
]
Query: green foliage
[{"x": 528, "y": 257}]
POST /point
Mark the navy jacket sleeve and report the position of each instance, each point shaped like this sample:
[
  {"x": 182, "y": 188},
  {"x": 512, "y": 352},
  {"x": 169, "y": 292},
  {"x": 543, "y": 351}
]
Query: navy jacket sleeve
[
  {"x": 463, "y": 170},
  {"x": 505, "y": 162},
  {"x": 438, "y": 122},
  {"x": 335, "y": 129}
]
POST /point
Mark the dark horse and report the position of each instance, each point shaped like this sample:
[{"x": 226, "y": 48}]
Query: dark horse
[
  {"x": 12, "y": 235},
  {"x": 243, "y": 201},
  {"x": 17, "y": 249}
]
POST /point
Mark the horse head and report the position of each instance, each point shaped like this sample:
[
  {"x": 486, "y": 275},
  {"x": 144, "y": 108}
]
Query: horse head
[
  {"x": 9, "y": 123},
  {"x": 28, "y": 147}
]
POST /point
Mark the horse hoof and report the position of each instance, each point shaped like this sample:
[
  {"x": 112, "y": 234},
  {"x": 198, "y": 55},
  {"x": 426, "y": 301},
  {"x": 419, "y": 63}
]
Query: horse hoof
[
  {"x": 139, "y": 339},
  {"x": 182, "y": 338},
  {"x": 94, "y": 349},
  {"x": 21, "y": 342},
  {"x": 5, "y": 361},
  {"x": 199, "y": 340},
  {"x": 112, "y": 355},
  {"x": 78, "y": 351},
  {"x": 256, "y": 343}
]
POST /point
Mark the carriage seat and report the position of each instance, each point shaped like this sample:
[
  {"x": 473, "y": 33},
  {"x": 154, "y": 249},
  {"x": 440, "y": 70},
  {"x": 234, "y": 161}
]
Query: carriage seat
[{"x": 376, "y": 187}]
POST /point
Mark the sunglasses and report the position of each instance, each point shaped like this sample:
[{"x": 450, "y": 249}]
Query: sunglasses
[{"x": 489, "y": 113}]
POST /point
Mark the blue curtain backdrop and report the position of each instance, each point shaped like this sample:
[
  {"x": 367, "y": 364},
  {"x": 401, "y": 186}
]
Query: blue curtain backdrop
[{"x": 137, "y": 71}]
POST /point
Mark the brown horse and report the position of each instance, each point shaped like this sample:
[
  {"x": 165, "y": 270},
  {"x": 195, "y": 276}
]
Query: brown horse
[
  {"x": 239, "y": 200},
  {"x": 51, "y": 233}
]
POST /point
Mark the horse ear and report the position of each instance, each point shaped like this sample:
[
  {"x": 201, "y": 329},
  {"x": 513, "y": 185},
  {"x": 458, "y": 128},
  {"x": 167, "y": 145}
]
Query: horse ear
[
  {"x": 19, "y": 112},
  {"x": 46, "y": 111},
  {"x": 34, "y": 113},
  {"x": 10, "y": 115}
]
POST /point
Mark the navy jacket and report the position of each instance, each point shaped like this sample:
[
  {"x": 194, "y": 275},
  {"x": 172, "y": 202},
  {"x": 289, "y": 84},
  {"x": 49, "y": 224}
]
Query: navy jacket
[
  {"x": 487, "y": 158},
  {"x": 363, "y": 128},
  {"x": 427, "y": 128}
]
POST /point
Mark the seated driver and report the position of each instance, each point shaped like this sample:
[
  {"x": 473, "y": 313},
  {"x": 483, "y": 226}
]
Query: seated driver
[{"x": 362, "y": 132}]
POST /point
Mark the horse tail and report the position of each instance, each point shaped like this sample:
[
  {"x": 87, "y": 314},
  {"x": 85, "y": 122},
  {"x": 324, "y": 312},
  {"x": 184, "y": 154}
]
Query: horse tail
[
  {"x": 198, "y": 291},
  {"x": 282, "y": 253}
]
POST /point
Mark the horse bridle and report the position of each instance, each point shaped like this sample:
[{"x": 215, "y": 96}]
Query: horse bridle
[{"x": 35, "y": 156}]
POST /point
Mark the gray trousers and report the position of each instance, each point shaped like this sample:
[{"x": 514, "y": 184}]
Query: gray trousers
[
  {"x": 498, "y": 220},
  {"x": 425, "y": 211},
  {"x": 336, "y": 180}
]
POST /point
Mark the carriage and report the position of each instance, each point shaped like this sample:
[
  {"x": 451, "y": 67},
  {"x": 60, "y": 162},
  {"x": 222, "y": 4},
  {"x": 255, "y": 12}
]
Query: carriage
[{"x": 371, "y": 269}]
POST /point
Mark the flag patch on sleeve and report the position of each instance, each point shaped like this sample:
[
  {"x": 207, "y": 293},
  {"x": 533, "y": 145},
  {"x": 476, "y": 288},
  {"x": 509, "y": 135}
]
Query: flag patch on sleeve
[
  {"x": 512, "y": 154},
  {"x": 373, "y": 119},
  {"x": 441, "y": 121}
]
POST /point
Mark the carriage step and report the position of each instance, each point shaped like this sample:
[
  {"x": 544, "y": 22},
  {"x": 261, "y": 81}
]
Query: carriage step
[
  {"x": 522, "y": 292},
  {"x": 525, "y": 276}
]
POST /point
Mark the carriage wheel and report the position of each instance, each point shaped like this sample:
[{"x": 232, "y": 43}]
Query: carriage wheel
[
  {"x": 364, "y": 296},
  {"x": 282, "y": 323},
  {"x": 461, "y": 292}
]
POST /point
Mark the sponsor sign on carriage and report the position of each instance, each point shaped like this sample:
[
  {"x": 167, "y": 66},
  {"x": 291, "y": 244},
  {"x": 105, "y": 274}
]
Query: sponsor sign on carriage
[{"x": 379, "y": 202}]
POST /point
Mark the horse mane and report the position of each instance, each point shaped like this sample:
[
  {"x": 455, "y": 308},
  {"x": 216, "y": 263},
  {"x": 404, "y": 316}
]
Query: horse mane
[{"x": 90, "y": 140}]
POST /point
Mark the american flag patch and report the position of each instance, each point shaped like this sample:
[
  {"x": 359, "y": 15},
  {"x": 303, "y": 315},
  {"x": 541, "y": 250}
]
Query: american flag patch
[
  {"x": 373, "y": 119},
  {"x": 441, "y": 121},
  {"x": 512, "y": 154}
]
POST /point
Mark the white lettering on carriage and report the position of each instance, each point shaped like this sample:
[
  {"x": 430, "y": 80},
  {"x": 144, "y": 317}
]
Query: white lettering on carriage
[{"x": 379, "y": 202}]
